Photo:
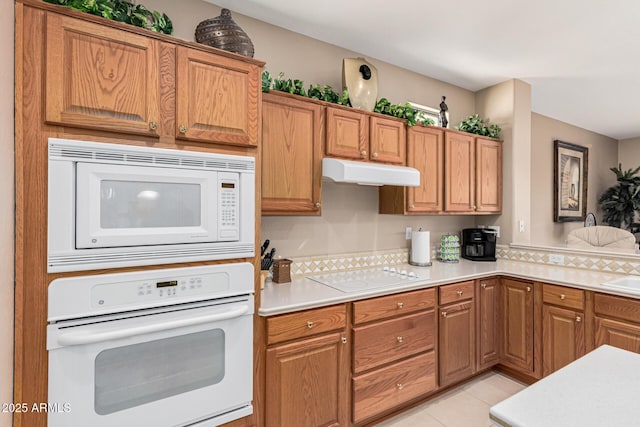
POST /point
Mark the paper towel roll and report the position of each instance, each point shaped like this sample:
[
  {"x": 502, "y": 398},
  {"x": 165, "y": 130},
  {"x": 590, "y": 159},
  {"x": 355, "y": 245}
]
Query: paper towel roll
[{"x": 420, "y": 248}]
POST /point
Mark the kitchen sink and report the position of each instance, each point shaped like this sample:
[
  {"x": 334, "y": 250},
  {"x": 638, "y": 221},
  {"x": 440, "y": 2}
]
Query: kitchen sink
[{"x": 629, "y": 283}]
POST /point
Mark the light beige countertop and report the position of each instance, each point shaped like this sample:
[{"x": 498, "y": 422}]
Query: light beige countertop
[{"x": 302, "y": 293}]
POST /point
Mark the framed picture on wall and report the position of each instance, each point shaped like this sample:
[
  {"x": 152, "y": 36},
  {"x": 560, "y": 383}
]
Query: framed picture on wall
[{"x": 571, "y": 166}]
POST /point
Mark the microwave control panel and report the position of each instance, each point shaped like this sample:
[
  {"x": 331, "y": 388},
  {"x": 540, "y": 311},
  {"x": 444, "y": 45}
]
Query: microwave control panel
[
  {"x": 135, "y": 292},
  {"x": 228, "y": 207}
]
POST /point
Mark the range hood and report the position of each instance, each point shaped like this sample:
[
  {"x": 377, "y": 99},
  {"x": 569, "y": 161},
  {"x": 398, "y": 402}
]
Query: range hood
[{"x": 364, "y": 173}]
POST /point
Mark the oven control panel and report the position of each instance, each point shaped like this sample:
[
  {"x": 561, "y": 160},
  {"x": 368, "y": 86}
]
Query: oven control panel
[{"x": 143, "y": 291}]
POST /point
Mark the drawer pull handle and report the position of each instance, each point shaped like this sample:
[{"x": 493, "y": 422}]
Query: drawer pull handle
[
  {"x": 400, "y": 339},
  {"x": 578, "y": 319},
  {"x": 444, "y": 314},
  {"x": 374, "y": 155},
  {"x": 400, "y": 305},
  {"x": 309, "y": 325},
  {"x": 182, "y": 129},
  {"x": 363, "y": 153},
  {"x": 528, "y": 288},
  {"x": 562, "y": 296},
  {"x": 317, "y": 205},
  {"x": 484, "y": 285},
  {"x": 400, "y": 386},
  {"x": 344, "y": 340},
  {"x": 459, "y": 293},
  {"x": 153, "y": 126}
]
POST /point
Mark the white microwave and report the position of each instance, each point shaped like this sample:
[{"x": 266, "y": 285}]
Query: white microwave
[{"x": 113, "y": 205}]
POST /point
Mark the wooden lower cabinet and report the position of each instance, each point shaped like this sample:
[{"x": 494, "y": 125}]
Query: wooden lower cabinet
[
  {"x": 386, "y": 388},
  {"x": 618, "y": 334},
  {"x": 307, "y": 383},
  {"x": 517, "y": 325},
  {"x": 488, "y": 322},
  {"x": 456, "y": 342},
  {"x": 563, "y": 338}
]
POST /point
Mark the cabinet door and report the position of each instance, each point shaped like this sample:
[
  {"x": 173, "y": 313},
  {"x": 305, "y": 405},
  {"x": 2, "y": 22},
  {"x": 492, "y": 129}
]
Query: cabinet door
[
  {"x": 618, "y": 334},
  {"x": 488, "y": 175},
  {"x": 308, "y": 383},
  {"x": 562, "y": 337},
  {"x": 456, "y": 343},
  {"x": 517, "y": 327},
  {"x": 425, "y": 152},
  {"x": 217, "y": 98},
  {"x": 347, "y": 134},
  {"x": 292, "y": 137},
  {"x": 459, "y": 169},
  {"x": 388, "y": 141},
  {"x": 488, "y": 322},
  {"x": 100, "y": 78}
]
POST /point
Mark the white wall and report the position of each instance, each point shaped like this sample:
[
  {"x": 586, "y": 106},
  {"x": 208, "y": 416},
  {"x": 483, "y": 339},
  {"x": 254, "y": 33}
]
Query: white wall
[
  {"x": 629, "y": 153},
  {"x": 7, "y": 28}
]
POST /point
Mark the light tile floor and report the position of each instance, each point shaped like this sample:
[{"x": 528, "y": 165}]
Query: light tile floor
[{"x": 464, "y": 406}]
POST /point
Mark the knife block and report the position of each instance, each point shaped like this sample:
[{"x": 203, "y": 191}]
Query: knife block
[{"x": 281, "y": 271}]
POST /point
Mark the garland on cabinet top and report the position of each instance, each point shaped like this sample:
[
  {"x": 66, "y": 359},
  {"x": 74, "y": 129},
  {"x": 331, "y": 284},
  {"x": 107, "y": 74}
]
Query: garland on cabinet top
[
  {"x": 326, "y": 93},
  {"x": 122, "y": 11},
  {"x": 474, "y": 124}
]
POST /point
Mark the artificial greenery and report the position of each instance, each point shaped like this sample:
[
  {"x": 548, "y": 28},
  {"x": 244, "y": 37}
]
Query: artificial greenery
[
  {"x": 326, "y": 93},
  {"x": 475, "y": 124},
  {"x": 621, "y": 201},
  {"x": 122, "y": 11}
]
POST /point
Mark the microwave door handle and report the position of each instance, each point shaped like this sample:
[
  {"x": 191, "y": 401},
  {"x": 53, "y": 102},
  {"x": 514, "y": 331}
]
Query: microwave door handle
[{"x": 87, "y": 336}]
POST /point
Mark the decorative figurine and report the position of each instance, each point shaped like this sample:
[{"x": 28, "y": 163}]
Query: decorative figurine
[
  {"x": 442, "y": 116},
  {"x": 223, "y": 33}
]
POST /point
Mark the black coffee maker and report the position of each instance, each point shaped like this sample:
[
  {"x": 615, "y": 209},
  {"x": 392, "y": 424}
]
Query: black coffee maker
[{"x": 479, "y": 244}]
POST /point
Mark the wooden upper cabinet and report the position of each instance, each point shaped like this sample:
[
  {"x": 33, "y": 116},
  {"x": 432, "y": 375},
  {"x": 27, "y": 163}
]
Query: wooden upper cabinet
[
  {"x": 488, "y": 175},
  {"x": 459, "y": 183},
  {"x": 359, "y": 135},
  {"x": 517, "y": 325},
  {"x": 217, "y": 98},
  {"x": 347, "y": 134},
  {"x": 99, "y": 77},
  {"x": 388, "y": 141},
  {"x": 292, "y": 143}
]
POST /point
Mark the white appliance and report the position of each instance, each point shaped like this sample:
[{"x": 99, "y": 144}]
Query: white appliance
[
  {"x": 371, "y": 278},
  {"x": 420, "y": 254},
  {"x": 113, "y": 205},
  {"x": 162, "y": 348},
  {"x": 366, "y": 173}
]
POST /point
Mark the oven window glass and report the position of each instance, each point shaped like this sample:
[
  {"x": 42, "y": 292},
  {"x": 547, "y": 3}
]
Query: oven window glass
[
  {"x": 136, "y": 374},
  {"x": 139, "y": 204}
]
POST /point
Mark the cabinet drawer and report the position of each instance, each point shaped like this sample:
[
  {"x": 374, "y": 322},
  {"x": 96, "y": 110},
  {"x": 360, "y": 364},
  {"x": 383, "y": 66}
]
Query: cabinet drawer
[
  {"x": 393, "y": 305},
  {"x": 382, "y": 342},
  {"x": 456, "y": 292},
  {"x": 563, "y": 297},
  {"x": 305, "y": 323},
  {"x": 385, "y": 388},
  {"x": 619, "y": 307}
]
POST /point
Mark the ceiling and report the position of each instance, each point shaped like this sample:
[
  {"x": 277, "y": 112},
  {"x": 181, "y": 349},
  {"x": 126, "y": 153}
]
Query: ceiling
[{"x": 581, "y": 58}]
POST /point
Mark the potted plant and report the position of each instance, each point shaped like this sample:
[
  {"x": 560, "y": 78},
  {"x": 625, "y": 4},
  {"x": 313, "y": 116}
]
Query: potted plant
[
  {"x": 621, "y": 201},
  {"x": 475, "y": 124}
]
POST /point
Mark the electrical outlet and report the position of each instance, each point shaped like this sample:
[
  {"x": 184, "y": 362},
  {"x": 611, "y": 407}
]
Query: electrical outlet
[
  {"x": 556, "y": 259},
  {"x": 521, "y": 226},
  {"x": 407, "y": 232}
]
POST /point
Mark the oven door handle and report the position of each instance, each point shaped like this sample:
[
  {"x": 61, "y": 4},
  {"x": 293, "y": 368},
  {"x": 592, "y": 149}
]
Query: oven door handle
[{"x": 87, "y": 336}]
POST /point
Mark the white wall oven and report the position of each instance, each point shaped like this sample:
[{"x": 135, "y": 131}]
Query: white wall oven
[
  {"x": 162, "y": 348},
  {"x": 113, "y": 205}
]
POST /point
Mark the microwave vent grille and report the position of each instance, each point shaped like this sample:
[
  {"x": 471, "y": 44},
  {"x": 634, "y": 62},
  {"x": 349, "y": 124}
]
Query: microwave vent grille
[{"x": 137, "y": 155}]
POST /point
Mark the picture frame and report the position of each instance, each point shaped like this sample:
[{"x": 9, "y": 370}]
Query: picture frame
[{"x": 570, "y": 172}]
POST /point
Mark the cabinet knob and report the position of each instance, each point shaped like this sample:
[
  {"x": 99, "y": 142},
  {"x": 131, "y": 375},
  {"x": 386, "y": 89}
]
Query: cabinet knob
[
  {"x": 182, "y": 129},
  {"x": 562, "y": 296},
  {"x": 363, "y": 153},
  {"x": 344, "y": 340},
  {"x": 578, "y": 319},
  {"x": 459, "y": 293},
  {"x": 153, "y": 125},
  {"x": 444, "y": 314},
  {"x": 400, "y": 339},
  {"x": 374, "y": 155},
  {"x": 484, "y": 285},
  {"x": 473, "y": 207},
  {"x": 317, "y": 205},
  {"x": 528, "y": 288},
  {"x": 400, "y": 305},
  {"x": 412, "y": 206},
  {"x": 309, "y": 325},
  {"x": 400, "y": 386}
]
